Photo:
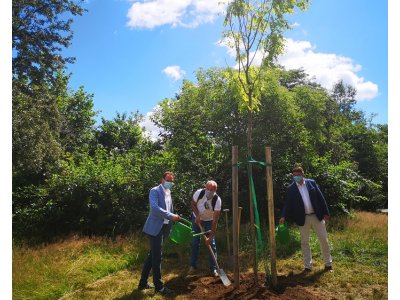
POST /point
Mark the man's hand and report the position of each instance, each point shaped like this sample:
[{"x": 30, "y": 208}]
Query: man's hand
[
  {"x": 326, "y": 217},
  {"x": 197, "y": 220},
  {"x": 282, "y": 220},
  {"x": 176, "y": 218},
  {"x": 208, "y": 240}
]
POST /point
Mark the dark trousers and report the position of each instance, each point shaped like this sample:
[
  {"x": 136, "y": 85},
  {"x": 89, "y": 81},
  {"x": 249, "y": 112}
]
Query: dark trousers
[{"x": 153, "y": 260}]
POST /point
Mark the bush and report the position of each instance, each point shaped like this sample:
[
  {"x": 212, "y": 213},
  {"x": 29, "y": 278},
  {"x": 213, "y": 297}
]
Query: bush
[{"x": 343, "y": 187}]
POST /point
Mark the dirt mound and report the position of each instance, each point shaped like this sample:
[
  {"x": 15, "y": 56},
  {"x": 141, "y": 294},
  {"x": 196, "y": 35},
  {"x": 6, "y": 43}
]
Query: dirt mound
[{"x": 289, "y": 287}]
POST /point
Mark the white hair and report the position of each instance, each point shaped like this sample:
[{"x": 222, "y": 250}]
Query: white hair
[{"x": 212, "y": 182}]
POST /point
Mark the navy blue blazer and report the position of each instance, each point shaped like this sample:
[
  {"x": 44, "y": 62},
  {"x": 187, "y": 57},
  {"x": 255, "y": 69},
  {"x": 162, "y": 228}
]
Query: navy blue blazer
[
  {"x": 294, "y": 205},
  {"x": 158, "y": 212}
]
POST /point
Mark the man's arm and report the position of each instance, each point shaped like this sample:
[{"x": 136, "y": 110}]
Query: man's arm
[
  {"x": 213, "y": 227},
  {"x": 285, "y": 208},
  {"x": 322, "y": 200},
  {"x": 159, "y": 211},
  {"x": 196, "y": 212}
]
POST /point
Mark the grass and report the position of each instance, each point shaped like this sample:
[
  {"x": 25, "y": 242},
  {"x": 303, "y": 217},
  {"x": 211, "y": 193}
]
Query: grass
[
  {"x": 50, "y": 271},
  {"x": 360, "y": 257},
  {"x": 100, "y": 268}
]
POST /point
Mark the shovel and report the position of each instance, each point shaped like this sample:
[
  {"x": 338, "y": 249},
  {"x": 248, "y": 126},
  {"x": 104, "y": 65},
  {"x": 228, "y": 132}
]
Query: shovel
[{"x": 221, "y": 273}]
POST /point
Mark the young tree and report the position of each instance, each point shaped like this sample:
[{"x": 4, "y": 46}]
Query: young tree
[{"x": 255, "y": 31}]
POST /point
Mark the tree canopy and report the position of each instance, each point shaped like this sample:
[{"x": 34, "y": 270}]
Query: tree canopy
[{"x": 40, "y": 29}]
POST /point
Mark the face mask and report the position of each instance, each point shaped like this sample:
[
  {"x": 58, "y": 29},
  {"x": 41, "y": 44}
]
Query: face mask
[
  {"x": 168, "y": 184},
  {"x": 209, "y": 194},
  {"x": 297, "y": 178}
]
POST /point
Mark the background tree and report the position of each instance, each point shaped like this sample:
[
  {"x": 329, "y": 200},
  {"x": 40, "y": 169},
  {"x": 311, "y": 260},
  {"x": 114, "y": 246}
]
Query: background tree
[
  {"x": 120, "y": 134},
  {"x": 35, "y": 135},
  {"x": 103, "y": 189},
  {"x": 40, "y": 29},
  {"x": 344, "y": 95},
  {"x": 76, "y": 116}
]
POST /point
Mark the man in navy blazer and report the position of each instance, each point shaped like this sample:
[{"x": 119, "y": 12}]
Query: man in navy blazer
[
  {"x": 305, "y": 203},
  {"x": 157, "y": 228}
]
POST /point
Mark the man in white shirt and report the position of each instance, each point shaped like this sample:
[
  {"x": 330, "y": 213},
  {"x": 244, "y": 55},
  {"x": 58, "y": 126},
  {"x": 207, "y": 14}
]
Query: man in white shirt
[
  {"x": 305, "y": 202},
  {"x": 206, "y": 207}
]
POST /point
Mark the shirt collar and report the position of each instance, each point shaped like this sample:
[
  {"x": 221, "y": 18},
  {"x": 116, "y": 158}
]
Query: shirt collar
[{"x": 301, "y": 185}]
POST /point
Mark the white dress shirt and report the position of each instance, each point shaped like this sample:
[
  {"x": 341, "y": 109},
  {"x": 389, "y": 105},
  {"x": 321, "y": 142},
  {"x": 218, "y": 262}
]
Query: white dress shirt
[
  {"x": 168, "y": 202},
  {"x": 306, "y": 198}
]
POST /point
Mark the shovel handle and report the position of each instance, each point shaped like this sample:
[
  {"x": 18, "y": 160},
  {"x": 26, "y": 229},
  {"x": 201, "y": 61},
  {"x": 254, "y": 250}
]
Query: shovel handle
[
  {"x": 221, "y": 273},
  {"x": 209, "y": 248},
  {"x": 201, "y": 233}
]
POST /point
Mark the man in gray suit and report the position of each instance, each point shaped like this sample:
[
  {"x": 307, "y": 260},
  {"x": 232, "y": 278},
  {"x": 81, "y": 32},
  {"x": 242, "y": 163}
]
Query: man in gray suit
[{"x": 157, "y": 228}]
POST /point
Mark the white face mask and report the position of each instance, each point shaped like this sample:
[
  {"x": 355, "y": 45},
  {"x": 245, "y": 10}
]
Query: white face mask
[{"x": 209, "y": 194}]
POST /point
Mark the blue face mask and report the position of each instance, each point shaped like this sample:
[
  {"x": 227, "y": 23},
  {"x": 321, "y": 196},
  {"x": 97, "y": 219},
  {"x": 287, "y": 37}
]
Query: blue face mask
[
  {"x": 168, "y": 184},
  {"x": 297, "y": 178}
]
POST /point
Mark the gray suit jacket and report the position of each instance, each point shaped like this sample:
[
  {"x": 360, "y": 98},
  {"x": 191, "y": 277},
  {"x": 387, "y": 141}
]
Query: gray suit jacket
[{"x": 158, "y": 212}]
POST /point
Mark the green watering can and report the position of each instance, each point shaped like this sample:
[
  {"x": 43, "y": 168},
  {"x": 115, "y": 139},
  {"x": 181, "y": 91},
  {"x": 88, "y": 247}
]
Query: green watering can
[
  {"x": 282, "y": 234},
  {"x": 182, "y": 232}
]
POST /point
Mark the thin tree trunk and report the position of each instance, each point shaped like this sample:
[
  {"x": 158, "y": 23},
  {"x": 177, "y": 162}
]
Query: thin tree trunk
[{"x": 250, "y": 174}]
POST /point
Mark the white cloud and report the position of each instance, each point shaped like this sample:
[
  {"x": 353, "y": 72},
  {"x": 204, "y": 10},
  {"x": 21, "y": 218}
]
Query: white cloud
[
  {"x": 185, "y": 13},
  {"x": 326, "y": 68},
  {"x": 229, "y": 44},
  {"x": 174, "y": 72},
  {"x": 295, "y": 24},
  {"x": 151, "y": 130}
]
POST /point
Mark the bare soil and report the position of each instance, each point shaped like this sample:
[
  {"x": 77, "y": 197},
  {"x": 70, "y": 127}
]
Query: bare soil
[{"x": 299, "y": 287}]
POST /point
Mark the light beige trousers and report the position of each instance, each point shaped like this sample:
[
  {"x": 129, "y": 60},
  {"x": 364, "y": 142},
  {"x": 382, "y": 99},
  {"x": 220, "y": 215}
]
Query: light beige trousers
[{"x": 320, "y": 229}]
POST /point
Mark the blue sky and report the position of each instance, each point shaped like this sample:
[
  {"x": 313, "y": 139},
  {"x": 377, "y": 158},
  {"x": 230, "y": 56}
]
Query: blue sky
[{"x": 131, "y": 55}]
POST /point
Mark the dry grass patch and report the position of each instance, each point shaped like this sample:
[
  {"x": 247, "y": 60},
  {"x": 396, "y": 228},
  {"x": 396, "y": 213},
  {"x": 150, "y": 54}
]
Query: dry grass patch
[{"x": 52, "y": 270}]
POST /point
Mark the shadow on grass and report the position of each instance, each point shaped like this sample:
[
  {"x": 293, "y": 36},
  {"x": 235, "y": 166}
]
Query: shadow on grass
[
  {"x": 181, "y": 285},
  {"x": 136, "y": 294},
  {"x": 303, "y": 279}
]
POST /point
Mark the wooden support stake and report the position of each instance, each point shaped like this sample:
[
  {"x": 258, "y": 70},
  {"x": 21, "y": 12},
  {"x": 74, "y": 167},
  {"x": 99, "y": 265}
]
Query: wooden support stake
[
  {"x": 271, "y": 216},
  {"x": 235, "y": 204},
  {"x": 239, "y": 216},
  {"x": 228, "y": 244}
]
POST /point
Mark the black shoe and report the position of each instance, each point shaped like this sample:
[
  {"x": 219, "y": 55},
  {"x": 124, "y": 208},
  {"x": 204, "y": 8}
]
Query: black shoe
[
  {"x": 166, "y": 291},
  {"x": 328, "y": 269},
  {"x": 307, "y": 270},
  {"x": 146, "y": 286}
]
